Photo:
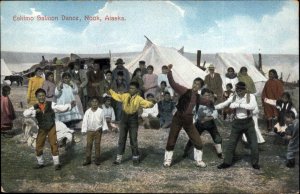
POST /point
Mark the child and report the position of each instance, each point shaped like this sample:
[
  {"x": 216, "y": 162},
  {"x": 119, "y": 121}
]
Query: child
[
  {"x": 44, "y": 112},
  {"x": 109, "y": 113},
  {"x": 292, "y": 134},
  {"x": 131, "y": 102},
  {"x": 93, "y": 124},
  {"x": 161, "y": 91},
  {"x": 149, "y": 115},
  {"x": 205, "y": 121},
  {"x": 49, "y": 86},
  {"x": 227, "y": 112},
  {"x": 166, "y": 109},
  {"x": 163, "y": 77},
  {"x": 283, "y": 105},
  {"x": 7, "y": 110}
]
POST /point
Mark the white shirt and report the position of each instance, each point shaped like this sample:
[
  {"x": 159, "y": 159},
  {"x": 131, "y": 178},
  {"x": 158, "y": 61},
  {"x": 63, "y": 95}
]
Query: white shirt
[
  {"x": 93, "y": 121},
  {"x": 233, "y": 81},
  {"x": 240, "y": 104},
  {"x": 108, "y": 112},
  {"x": 163, "y": 77},
  {"x": 150, "y": 111},
  {"x": 31, "y": 112}
]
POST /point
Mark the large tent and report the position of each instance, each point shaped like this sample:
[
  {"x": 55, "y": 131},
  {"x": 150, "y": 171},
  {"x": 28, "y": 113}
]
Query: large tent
[
  {"x": 238, "y": 60},
  {"x": 5, "y": 71},
  {"x": 184, "y": 71}
]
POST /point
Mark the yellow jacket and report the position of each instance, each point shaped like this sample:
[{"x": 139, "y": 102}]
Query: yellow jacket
[
  {"x": 131, "y": 104},
  {"x": 33, "y": 84}
]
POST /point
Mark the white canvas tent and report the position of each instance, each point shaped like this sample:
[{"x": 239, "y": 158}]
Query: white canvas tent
[
  {"x": 5, "y": 71},
  {"x": 238, "y": 60},
  {"x": 184, "y": 71}
]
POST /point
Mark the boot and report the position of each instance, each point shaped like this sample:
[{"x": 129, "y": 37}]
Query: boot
[
  {"x": 87, "y": 162},
  {"x": 168, "y": 158},
  {"x": 97, "y": 161},
  {"x": 198, "y": 158},
  {"x": 136, "y": 160},
  {"x": 118, "y": 160},
  {"x": 219, "y": 150},
  {"x": 40, "y": 160},
  {"x": 57, "y": 165},
  {"x": 290, "y": 163}
]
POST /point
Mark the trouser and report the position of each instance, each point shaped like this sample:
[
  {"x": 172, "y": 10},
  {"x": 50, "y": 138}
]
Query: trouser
[
  {"x": 128, "y": 123},
  {"x": 186, "y": 121},
  {"x": 209, "y": 126},
  {"x": 93, "y": 136},
  {"x": 165, "y": 120},
  {"x": 240, "y": 126},
  {"x": 118, "y": 111},
  {"x": 290, "y": 155},
  {"x": 41, "y": 139}
]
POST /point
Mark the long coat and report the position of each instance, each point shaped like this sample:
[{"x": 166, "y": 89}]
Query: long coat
[
  {"x": 273, "y": 89},
  {"x": 215, "y": 85}
]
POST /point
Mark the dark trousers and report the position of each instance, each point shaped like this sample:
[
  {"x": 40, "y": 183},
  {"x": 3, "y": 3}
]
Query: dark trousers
[
  {"x": 93, "y": 136},
  {"x": 128, "y": 123},
  {"x": 41, "y": 139},
  {"x": 186, "y": 121},
  {"x": 240, "y": 126},
  {"x": 209, "y": 126}
]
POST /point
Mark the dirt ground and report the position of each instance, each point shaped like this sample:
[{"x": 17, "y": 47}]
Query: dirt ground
[{"x": 17, "y": 160}]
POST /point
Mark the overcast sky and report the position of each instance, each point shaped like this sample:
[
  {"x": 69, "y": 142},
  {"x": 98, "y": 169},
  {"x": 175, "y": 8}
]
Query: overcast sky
[{"x": 271, "y": 27}]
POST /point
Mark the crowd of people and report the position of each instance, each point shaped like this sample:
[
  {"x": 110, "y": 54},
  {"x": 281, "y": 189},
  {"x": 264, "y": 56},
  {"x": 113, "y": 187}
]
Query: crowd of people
[{"x": 94, "y": 101}]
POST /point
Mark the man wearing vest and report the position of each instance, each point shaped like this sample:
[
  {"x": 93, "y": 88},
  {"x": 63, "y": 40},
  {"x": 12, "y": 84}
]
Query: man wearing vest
[{"x": 243, "y": 123}]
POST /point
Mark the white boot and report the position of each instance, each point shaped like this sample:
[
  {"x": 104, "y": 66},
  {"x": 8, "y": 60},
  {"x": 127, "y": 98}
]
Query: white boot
[
  {"x": 219, "y": 150},
  {"x": 55, "y": 160},
  {"x": 118, "y": 159},
  {"x": 168, "y": 158},
  {"x": 57, "y": 165},
  {"x": 198, "y": 158},
  {"x": 40, "y": 160}
]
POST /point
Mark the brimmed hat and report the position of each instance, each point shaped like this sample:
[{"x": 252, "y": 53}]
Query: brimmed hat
[
  {"x": 240, "y": 86},
  {"x": 211, "y": 66},
  {"x": 120, "y": 61},
  {"x": 142, "y": 62}
]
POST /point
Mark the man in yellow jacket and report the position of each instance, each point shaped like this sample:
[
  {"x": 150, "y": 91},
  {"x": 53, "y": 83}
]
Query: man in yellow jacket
[
  {"x": 131, "y": 102},
  {"x": 34, "y": 83}
]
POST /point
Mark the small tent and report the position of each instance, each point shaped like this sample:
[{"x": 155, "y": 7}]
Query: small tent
[
  {"x": 184, "y": 71},
  {"x": 238, "y": 60},
  {"x": 5, "y": 71}
]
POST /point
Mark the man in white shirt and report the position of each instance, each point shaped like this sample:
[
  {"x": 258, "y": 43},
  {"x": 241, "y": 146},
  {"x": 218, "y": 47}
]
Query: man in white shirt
[
  {"x": 93, "y": 123},
  {"x": 243, "y": 105},
  {"x": 163, "y": 77}
]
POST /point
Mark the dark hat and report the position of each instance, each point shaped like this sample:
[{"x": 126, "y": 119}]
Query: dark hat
[
  {"x": 142, "y": 62},
  {"x": 120, "y": 61},
  {"x": 240, "y": 86}
]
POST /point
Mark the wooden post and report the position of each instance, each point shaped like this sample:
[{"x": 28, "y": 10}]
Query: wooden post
[
  {"x": 259, "y": 62},
  {"x": 198, "y": 57}
]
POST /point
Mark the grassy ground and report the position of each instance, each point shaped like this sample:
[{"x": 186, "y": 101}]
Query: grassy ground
[{"x": 17, "y": 160}]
